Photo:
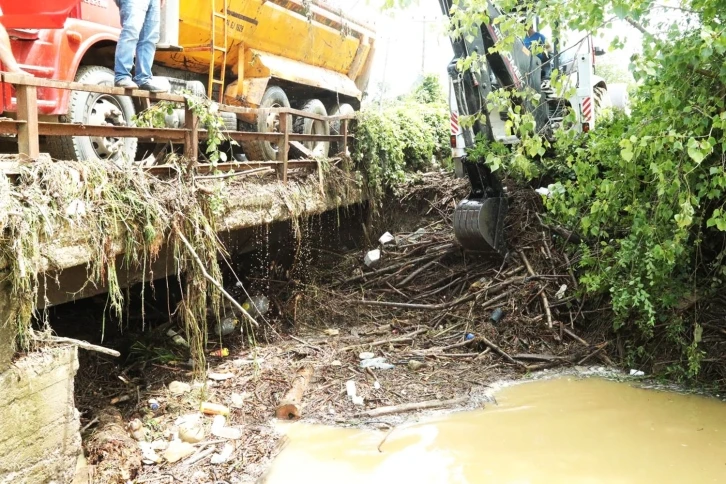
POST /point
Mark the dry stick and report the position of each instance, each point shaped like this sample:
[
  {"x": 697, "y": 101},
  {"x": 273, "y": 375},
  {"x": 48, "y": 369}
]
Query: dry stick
[
  {"x": 233, "y": 173},
  {"x": 445, "y": 305},
  {"x": 575, "y": 337},
  {"x": 408, "y": 407},
  {"x": 81, "y": 344},
  {"x": 419, "y": 271},
  {"x": 545, "y": 302},
  {"x": 397, "y": 339},
  {"x": 390, "y": 431},
  {"x": 597, "y": 350},
  {"x": 390, "y": 268},
  {"x": 210, "y": 278},
  {"x": 200, "y": 455},
  {"x": 501, "y": 352},
  {"x": 290, "y": 407}
]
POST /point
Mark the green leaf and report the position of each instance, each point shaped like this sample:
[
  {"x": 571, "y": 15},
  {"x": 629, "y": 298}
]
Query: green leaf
[
  {"x": 626, "y": 154},
  {"x": 696, "y": 154}
]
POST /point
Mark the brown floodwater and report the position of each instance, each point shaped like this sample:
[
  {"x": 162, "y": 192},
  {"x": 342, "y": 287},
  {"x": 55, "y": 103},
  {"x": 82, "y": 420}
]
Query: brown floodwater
[{"x": 565, "y": 430}]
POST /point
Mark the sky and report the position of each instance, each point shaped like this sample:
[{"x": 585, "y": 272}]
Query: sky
[{"x": 412, "y": 42}]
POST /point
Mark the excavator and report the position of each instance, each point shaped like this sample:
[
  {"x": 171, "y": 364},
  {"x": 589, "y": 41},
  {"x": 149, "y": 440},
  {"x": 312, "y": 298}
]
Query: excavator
[{"x": 479, "y": 219}]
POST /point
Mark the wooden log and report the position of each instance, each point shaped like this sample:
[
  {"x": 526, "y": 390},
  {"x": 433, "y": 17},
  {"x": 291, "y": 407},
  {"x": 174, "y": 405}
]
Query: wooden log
[
  {"x": 408, "y": 407},
  {"x": 290, "y": 407}
]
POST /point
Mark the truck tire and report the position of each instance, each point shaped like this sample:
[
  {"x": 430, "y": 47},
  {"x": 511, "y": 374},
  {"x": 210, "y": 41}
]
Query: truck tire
[
  {"x": 274, "y": 97},
  {"x": 312, "y": 126},
  {"x": 339, "y": 109},
  {"x": 95, "y": 109}
]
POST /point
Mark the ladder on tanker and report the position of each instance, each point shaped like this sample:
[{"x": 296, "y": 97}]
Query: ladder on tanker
[{"x": 217, "y": 47}]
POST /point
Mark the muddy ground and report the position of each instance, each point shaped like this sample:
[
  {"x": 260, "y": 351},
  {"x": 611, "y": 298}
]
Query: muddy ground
[{"x": 448, "y": 322}]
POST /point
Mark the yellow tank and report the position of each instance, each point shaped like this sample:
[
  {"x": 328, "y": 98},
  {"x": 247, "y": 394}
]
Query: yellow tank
[{"x": 303, "y": 42}]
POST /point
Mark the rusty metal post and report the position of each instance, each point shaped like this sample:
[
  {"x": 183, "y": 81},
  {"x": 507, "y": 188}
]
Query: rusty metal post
[
  {"x": 284, "y": 145},
  {"x": 28, "y": 141},
  {"x": 191, "y": 137}
]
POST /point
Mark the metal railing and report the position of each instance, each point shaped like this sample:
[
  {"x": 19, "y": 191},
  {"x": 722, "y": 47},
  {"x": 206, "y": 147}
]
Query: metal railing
[{"x": 28, "y": 128}]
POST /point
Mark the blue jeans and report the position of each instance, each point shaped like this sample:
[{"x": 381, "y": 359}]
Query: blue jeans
[{"x": 140, "y": 23}]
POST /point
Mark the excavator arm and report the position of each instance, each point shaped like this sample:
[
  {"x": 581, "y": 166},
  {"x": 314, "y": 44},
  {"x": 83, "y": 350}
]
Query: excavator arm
[{"x": 479, "y": 219}]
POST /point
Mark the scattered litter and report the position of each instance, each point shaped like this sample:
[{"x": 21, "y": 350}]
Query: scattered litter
[
  {"x": 213, "y": 409},
  {"x": 219, "y": 429},
  {"x": 637, "y": 373},
  {"x": 226, "y": 326},
  {"x": 417, "y": 235},
  {"x": 376, "y": 363},
  {"x": 496, "y": 315},
  {"x": 366, "y": 355},
  {"x": 357, "y": 400},
  {"x": 336, "y": 363},
  {"x": 159, "y": 444},
  {"x": 332, "y": 332},
  {"x": 257, "y": 306},
  {"x": 136, "y": 429},
  {"x": 223, "y": 456},
  {"x": 238, "y": 399},
  {"x": 469, "y": 336},
  {"x": 220, "y": 376},
  {"x": 561, "y": 291},
  {"x": 153, "y": 404},
  {"x": 372, "y": 257},
  {"x": 222, "y": 353},
  {"x": 179, "y": 388},
  {"x": 350, "y": 388},
  {"x": 177, "y": 338},
  {"x": 414, "y": 365},
  {"x": 377, "y": 385},
  {"x": 76, "y": 208},
  {"x": 245, "y": 362},
  {"x": 120, "y": 398},
  {"x": 178, "y": 450},
  {"x": 386, "y": 238},
  {"x": 148, "y": 454},
  {"x": 545, "y": 192},
  {"x": 191, "y": 431}
]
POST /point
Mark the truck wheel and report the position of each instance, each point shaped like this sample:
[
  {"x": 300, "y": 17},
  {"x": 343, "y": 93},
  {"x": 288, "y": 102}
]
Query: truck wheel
[
  {"x": 95, "y": 109},
  {"x": 313, "y": 126},
  {"x": 274, "y": 97},
  {"x": 339, "y": 109}
]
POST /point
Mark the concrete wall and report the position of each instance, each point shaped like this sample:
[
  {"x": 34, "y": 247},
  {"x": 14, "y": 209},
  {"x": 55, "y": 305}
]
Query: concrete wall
[
  {"x": 7, "y": 328},
  {"x": 39, "y": 427}
]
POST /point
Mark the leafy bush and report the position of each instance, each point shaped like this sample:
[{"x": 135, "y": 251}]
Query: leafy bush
[{"x": 400, "y": 138}]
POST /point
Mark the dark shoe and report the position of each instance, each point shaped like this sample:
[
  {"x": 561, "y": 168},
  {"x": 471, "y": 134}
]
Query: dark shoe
[
  {"x": 152, "y": 86},
  {"x": 126, "y": 84}
]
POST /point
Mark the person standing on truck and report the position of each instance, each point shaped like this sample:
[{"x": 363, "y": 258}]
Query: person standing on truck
[
  {"x": 537, "y": 39},
  {"x": 6, "y": 52},
  {"x": 140, "y": 24}
]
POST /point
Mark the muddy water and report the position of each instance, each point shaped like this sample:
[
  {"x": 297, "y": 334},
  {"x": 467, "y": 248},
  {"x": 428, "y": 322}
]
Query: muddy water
[{"x": 554, "y": 431}]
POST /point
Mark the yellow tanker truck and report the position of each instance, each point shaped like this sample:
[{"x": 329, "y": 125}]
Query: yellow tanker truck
[{"x": 269, "y": 53}]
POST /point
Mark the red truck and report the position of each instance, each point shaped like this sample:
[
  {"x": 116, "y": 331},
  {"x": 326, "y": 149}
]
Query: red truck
[{"x": 69, "y": 40}]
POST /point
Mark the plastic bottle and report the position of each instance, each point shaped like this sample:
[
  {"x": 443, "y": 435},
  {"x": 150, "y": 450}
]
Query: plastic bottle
[
  {"x": 226, "y": 326},
  {"x": 257, "y": 306}
]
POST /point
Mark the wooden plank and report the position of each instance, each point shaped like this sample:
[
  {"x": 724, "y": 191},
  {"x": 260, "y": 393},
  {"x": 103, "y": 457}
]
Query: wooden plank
[
  {"x": 19, "y": 80},
  {"x": 28, "y": 141},
  {"x": 191, "y": 143},
  {"x": 68, "y": 129},
  {"x": 301, "y": 147},
  {"x": 284, "y": 146}
]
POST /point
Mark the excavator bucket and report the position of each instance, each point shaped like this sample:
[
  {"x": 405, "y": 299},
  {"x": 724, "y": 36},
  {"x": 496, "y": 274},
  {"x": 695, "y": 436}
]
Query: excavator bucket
[
  {"x": 35, "y": 14},
  {"x": 479, "y": 219},
  {"x": 479, "y": 224}
]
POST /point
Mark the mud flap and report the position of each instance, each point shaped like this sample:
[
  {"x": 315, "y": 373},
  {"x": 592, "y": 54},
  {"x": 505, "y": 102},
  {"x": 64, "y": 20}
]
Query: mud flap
[{"x": 479, "y": 224}]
